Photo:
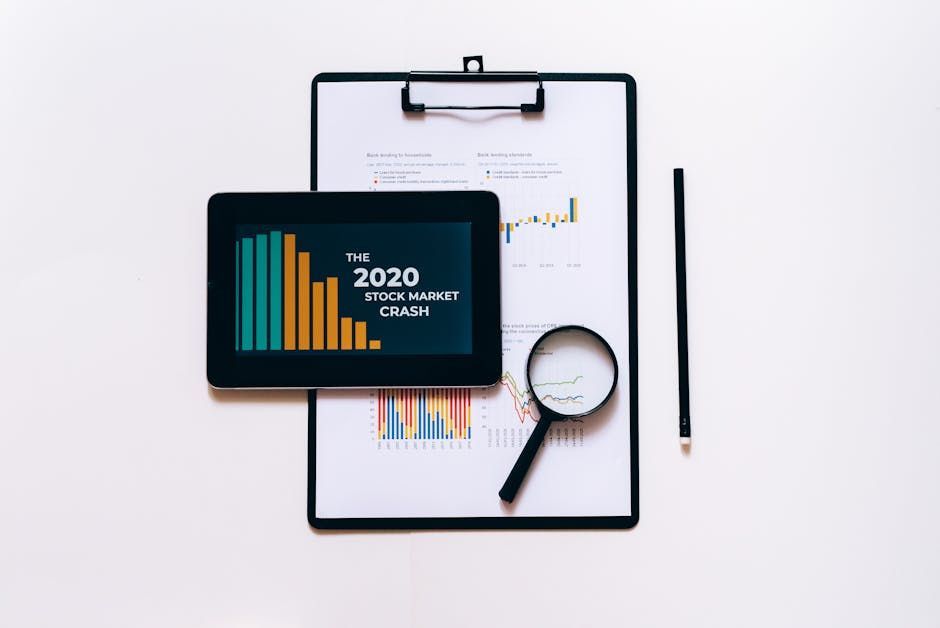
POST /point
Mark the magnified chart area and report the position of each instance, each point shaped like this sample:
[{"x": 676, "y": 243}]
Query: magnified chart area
[{"x": 571, "y": 371}]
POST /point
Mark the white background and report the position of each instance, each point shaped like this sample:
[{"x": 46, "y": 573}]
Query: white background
[{"x": 130, "y": 495}]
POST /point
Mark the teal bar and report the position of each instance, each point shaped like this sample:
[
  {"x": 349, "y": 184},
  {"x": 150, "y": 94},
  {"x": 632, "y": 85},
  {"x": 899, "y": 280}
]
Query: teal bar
[
  {"x": 238, "y": 298},
  {"x": 277, "y": 260},
  {"x": 261, "y": 299},
  {"x": 247, "y": 291}
]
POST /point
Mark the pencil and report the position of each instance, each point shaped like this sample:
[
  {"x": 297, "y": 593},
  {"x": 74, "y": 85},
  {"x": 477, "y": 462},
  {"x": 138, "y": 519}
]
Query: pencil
[{"x": 685, "y": 420}]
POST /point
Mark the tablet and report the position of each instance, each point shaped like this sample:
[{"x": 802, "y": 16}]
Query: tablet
[{"x": 358, "y": 289}]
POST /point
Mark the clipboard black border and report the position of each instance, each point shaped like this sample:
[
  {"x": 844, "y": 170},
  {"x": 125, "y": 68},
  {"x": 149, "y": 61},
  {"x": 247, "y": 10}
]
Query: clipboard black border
[{"x": 500, "y": 523}]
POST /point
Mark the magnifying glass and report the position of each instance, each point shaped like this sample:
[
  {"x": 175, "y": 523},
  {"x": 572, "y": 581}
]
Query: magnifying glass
[{"x": 571, "y": 373}]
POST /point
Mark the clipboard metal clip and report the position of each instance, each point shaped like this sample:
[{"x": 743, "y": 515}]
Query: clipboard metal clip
[{"x": 473, "y": 75}]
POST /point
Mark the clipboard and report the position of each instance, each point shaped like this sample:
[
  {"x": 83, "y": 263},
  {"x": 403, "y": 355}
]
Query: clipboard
[{"x": 539, "y": 104}]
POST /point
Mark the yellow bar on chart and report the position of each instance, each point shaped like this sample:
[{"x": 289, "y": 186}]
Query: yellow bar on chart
[
  {"x": 375, "y": 345},
  {"x": 346, "y": 341},
  {"x": 332, "y": 313},
  {"x": 360, "y": 335},
  {"x": 290, "y": 291},
  {"x": 574, "y": 217},
  {"x": 303, "y": 301},
  {"x": 318, "y": 316}
]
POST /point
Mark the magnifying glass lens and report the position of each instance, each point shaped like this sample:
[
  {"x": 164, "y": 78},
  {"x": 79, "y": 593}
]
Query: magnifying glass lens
[{"x": 572, "y": 372}]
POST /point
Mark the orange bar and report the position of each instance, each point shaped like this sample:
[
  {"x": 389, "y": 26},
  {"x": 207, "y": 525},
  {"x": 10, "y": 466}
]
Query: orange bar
[
  {"x": 574, "y": 217},
  {"x": 360, "y": 335},
  {"x": 346, "y": 343},
  {"x": 332, "y": 313},
  {"x": 548, "y": 217},
  {"x": 375, "y": 344},
  {"x": 502, "y": 227},
  {"x": 317, "y": 315},
  {"x": 290, "y": 288},
  {"x": 303, "y": 301}
]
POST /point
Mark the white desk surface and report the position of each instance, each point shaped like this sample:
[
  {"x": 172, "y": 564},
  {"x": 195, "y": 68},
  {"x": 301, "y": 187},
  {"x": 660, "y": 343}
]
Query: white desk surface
[{"x": 130, "y": 495}]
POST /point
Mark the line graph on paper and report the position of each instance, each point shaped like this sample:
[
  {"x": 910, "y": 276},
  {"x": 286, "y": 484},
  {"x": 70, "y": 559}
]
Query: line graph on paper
[
  {"x": 508, "y": 414},
  {"x": 561, "y": 392}
]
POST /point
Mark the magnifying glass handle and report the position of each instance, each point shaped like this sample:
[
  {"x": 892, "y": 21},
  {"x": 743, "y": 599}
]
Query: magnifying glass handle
[{"x": 514, "y": 481}]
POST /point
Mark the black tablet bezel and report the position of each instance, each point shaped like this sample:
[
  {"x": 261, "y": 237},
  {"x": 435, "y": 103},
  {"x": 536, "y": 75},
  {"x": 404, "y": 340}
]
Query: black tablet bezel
[
  {"x": 480, "y": 367},
  {"x": 522, "y": 522}
]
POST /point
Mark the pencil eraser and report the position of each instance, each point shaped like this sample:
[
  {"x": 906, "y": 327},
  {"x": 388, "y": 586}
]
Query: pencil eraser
[{"x": 685, "y": 440}]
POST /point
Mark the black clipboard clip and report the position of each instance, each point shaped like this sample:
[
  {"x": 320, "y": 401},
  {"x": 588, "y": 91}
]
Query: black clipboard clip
[{"x": 475, "y": 75}]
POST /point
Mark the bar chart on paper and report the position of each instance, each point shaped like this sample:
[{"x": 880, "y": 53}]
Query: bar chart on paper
[
  {"x": 543, "y": 232},
  {"x": 422, "y": 414},
  {"x": 551, "y": 219}
]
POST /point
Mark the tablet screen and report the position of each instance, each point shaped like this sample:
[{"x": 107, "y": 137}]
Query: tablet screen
[
  {"x": 348, "y": 290},
  {"x": 335, "y": 289}
]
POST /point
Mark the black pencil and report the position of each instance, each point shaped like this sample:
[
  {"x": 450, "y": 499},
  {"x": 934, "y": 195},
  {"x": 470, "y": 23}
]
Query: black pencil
[{"x": 685, "y": 420}]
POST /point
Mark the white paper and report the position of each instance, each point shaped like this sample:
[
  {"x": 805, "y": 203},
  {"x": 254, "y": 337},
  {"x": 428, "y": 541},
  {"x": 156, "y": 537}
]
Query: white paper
[{"x": 574, "y": 272}]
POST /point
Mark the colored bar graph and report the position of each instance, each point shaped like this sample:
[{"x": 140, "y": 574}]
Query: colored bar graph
[
  {"x": 290, "y": 291},
  {"x": 551, "y": 218},
  {"x": 261, "y": 291},
  {"x": 423, "y": 414},
  {"x": 248, "y": 291},
  {"x": 332, "y": 313},
  {"x": 277, "y": 306},
  {"x": 303, "y": 301},
  {"x": 276, "y": 283}
]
